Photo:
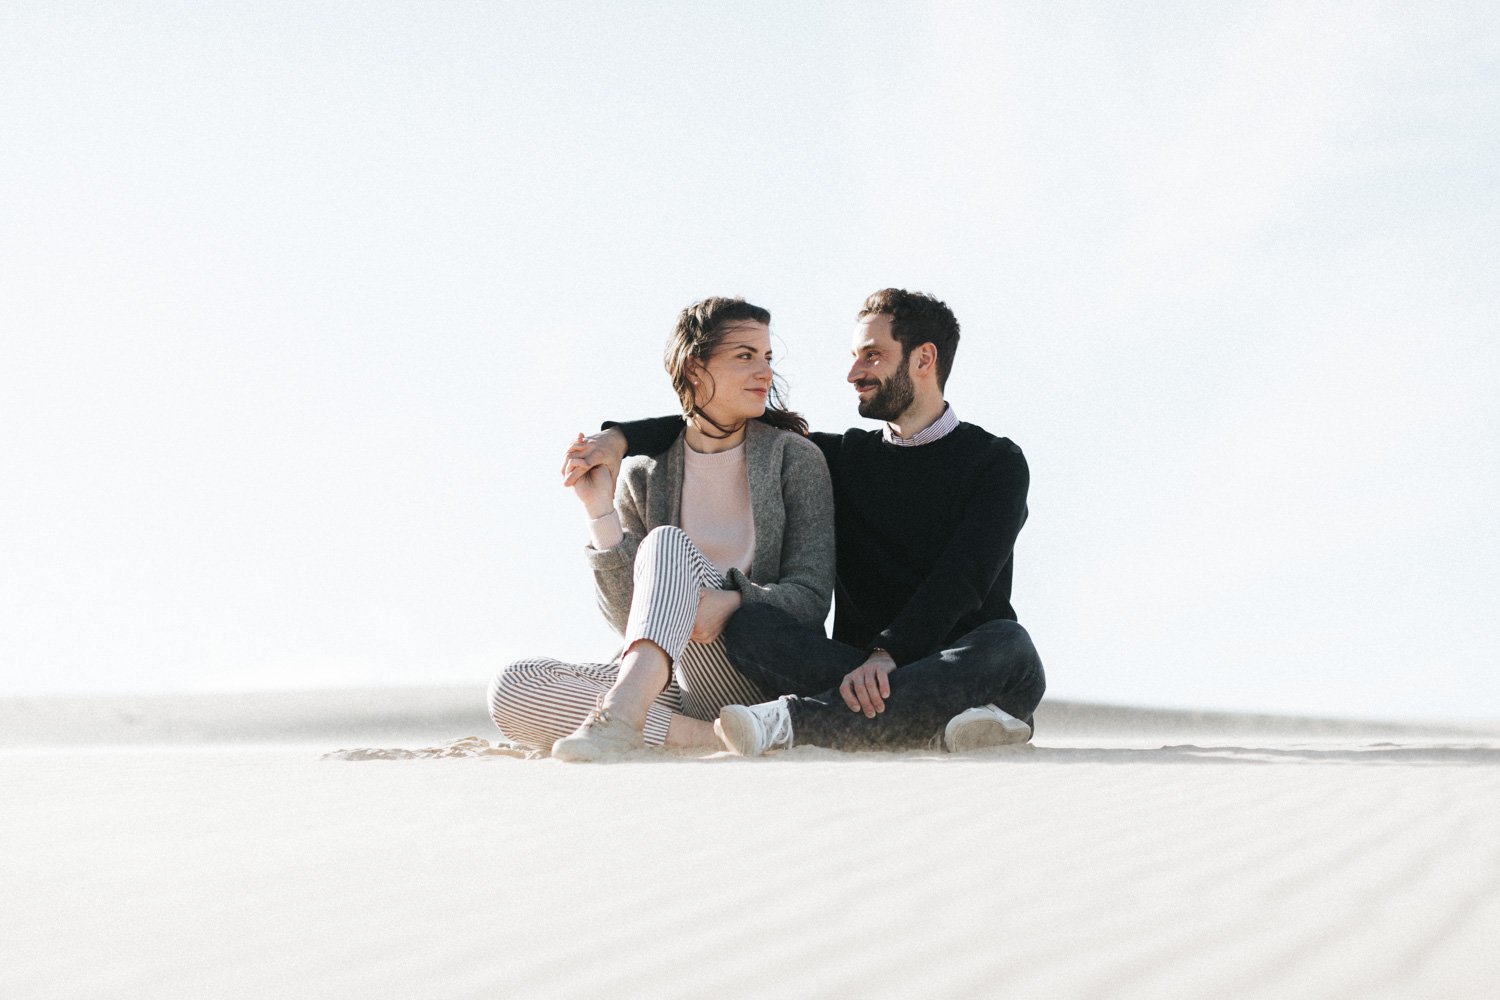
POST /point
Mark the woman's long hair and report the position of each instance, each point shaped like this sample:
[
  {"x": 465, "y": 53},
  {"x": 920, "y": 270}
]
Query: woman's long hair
[{"x": 700, "y": 330}]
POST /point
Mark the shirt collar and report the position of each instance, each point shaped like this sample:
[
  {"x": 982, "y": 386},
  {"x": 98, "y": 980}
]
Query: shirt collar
[{"x": 937, "y": 430}]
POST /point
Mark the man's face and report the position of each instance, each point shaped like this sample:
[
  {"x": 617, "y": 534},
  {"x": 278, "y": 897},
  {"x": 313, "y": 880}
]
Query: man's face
[{"x": 879, "y": 372}]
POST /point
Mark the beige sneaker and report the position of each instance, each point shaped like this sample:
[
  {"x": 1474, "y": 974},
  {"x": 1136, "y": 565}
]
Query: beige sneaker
[{"x": 601, "y": 737}]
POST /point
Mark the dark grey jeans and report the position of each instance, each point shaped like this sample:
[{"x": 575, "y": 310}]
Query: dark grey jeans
[{"x": 995, "y": 664}]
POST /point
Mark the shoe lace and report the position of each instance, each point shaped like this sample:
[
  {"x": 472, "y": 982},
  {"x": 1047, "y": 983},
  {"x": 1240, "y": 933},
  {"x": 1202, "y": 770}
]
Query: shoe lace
[{"x": 777, "y": 725}]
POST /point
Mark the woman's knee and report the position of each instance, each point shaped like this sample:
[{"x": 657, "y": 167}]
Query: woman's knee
[
  {"x": 499, "y": 692},
  {"x": 661, "y": 545},
  {"x": 666, "y": 534},
  {"x": 508, "y": 689}
]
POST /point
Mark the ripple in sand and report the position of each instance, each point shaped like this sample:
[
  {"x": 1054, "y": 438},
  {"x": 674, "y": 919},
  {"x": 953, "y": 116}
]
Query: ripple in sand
[{"x": 469, "y": 746}]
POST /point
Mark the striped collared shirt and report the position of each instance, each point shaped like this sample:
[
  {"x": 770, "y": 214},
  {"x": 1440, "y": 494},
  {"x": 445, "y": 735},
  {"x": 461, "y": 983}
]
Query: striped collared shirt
[{"x": 940, "y": 428}]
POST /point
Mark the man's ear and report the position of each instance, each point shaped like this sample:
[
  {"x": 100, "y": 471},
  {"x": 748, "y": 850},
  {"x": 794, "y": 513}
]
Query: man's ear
[{"x": 926, "y": 358}]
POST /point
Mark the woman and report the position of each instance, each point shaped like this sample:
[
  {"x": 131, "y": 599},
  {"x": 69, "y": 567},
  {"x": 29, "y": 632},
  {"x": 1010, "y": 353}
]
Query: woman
[{"x": 739, "y": 510}]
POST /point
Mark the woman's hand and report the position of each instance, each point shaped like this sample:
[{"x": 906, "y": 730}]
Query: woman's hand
[
  {"x": 594, "y": 485},
  {"x": 714, "y": 609}
]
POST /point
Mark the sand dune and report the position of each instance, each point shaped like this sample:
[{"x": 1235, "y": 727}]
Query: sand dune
[
  {"x": 156, "y": 849},
  {"x": 445, "y": 713}
]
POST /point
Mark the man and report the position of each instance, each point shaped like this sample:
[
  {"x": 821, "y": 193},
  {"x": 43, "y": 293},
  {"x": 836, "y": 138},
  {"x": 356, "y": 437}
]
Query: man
[{"x": 925, "y": 649}]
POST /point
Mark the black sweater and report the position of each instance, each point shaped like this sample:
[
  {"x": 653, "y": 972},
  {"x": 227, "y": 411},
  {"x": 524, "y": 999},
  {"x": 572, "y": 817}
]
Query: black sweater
[{"x": 925, "y": 533}]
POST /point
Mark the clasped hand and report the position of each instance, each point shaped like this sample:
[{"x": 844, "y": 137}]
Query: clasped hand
[{"x": 590, "y": 466}]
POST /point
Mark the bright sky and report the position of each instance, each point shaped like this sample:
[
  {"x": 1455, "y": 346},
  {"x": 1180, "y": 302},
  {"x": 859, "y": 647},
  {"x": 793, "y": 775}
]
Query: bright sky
[{"x": 302, "y": 302}]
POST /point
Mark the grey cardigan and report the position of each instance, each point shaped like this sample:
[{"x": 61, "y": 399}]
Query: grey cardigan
[{"x": 791, "y": 503}]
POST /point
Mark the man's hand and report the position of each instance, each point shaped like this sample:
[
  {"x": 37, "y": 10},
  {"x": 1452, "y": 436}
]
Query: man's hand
[
  {"x": 868, "y": 685},
  {"x": 714, "y": 609},
  {"x": 607, "y": 448},
  {"x": 596, "y": 488}
]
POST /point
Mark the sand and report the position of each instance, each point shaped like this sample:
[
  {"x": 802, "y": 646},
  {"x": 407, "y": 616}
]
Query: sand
[{"x": 221, "y": 847}]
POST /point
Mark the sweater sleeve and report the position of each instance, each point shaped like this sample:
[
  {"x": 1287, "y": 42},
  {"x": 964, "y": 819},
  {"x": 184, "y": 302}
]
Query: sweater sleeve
[
  {"x": 614, "y": 568},
  {"x": 651, "y": 436},
  {"x": 829, "y": 445},
  {"x": 804, "y": 588},
  {"x": 969, "y": 564}
]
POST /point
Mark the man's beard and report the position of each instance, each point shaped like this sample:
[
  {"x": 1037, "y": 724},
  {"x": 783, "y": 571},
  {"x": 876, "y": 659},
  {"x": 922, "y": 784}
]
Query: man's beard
[{"x": 892, "y": 398}]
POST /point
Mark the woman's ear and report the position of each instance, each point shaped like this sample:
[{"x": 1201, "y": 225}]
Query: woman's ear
[{"x": 694, "y": 370}]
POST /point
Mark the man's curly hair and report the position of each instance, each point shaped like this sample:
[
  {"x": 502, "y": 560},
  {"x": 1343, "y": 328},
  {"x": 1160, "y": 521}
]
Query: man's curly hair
[{"x": 918, "y": 318}]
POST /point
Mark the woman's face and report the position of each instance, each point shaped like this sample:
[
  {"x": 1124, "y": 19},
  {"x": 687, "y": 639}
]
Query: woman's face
[{"x": 732, "y": 387}]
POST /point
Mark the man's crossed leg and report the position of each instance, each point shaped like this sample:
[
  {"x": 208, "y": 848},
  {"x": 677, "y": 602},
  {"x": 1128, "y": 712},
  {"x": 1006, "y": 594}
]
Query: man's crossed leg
[{"x": 994, "y": 668}]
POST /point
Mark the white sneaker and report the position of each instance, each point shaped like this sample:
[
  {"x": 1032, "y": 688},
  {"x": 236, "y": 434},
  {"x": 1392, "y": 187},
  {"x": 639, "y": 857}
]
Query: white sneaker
[
  {"x": 752, "y": 730},
  {"x": 985, "y": 726}
]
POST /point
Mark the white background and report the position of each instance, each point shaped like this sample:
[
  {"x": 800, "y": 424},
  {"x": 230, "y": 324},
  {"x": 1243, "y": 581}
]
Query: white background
[{"x": 300, "y": 303}]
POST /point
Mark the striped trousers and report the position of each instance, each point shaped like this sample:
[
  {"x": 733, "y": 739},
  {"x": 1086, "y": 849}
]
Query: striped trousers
[{"x": 538, "y": 701}]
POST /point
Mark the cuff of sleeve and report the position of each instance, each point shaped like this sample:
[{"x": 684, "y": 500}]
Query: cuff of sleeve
[
  {"x": 892, "y": 647},
  {"x": 605, "y": 532},
  {"x": 750, "y": 593}
]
